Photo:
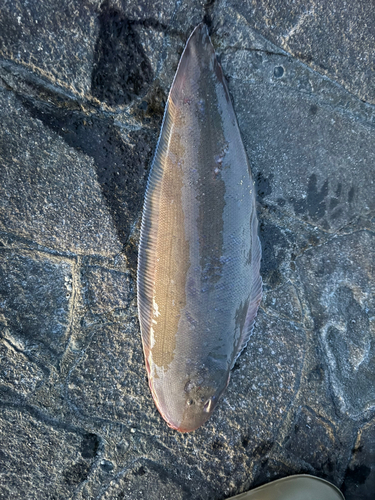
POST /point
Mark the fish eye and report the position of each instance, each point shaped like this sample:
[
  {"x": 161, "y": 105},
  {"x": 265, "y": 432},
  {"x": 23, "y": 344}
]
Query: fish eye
[
  {"x": 189, "y": 402},
  {"x": 189, "y": 386}
]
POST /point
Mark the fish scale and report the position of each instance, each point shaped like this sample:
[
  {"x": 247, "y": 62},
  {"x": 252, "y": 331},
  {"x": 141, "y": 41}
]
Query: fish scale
[{"x": 199, "y": 285}]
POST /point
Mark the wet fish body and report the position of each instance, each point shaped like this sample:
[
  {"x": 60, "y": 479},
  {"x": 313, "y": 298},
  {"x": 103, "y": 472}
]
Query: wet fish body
[{"x": 199, "y": 285}]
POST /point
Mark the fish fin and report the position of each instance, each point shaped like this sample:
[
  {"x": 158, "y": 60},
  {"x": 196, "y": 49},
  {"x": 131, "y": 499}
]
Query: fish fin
[
  {"x": 149, "y": 229},
  {"x": 254, "y": 298}
]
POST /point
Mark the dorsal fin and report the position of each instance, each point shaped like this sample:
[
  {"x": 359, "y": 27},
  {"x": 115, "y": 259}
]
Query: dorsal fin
[{"x": 255, "y": 295}]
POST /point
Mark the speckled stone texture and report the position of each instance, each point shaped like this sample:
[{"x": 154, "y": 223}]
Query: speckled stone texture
[{"x": 83, "y": 86}]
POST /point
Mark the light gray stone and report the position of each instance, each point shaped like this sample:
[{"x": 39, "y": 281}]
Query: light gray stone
[
  {"x": 36, "y": 296},
  {"x": 334, "y": 39},
  {"x": 107, "y": 290},
  {"x": 338, "y": 277},
  {"x": 49, "y": 193},
  {"x": 42, "y": 459},
  {"x": 57, "y": 44},
  {"x": 17, "y": 372}
]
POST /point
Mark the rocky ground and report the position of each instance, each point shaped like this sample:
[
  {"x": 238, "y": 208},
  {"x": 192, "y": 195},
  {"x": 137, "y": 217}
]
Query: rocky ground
[{"x": 83, "y": 86}]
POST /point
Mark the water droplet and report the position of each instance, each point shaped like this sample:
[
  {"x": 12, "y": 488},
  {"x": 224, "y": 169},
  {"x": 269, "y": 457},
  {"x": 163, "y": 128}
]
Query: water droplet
[{"x": 278, "y": 71}]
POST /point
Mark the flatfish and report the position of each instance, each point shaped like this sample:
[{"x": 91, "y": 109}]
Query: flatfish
[{"x": 199, "y": 285}]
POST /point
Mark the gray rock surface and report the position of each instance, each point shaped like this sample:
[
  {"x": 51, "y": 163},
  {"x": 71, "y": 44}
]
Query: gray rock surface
[{"x": 82, "y": 91}]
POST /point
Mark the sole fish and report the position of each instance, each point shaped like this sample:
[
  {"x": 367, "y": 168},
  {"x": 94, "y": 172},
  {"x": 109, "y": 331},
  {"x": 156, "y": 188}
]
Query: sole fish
[{"x": 199, "y": 285}]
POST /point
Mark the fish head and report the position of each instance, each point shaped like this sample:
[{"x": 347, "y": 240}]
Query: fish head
[
  {"x": 202, "y": 396},
  {"x": 187, "y": 402}
]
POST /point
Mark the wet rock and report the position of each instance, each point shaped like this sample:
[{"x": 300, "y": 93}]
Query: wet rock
[
  {"x": 267, "y": 376},
  {"x": 359, "y": 480}
]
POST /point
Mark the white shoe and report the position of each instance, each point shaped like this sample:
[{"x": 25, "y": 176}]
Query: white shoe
[{"x": 300, "y": 487}]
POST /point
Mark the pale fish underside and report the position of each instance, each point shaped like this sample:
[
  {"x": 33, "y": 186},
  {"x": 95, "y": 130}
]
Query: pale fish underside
[{"x": 199, "y": 285}]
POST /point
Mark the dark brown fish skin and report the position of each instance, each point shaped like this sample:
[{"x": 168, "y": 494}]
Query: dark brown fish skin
[{"x": 199, "y": 285}]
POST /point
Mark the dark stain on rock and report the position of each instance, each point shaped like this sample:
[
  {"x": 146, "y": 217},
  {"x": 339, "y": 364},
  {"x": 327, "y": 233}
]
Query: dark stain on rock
[
  {"x": 338, "y": 190},
  {"x": 333, "y": 202},
  {"x": 359, "y": 479},
  {"x": 336, "y": 214},
  {"x": 76, "y": 474},
  {"x": 245, "y": 441},
  {"x": 262, "y": 449},
  {"x": 316, "y": 374},
  {"x": 313, "y": 240},
  {"x": 351, "y": 195},
  {"x": 217, "y": 445},
  {"x": 263, "y": 185},
  {"x": 314, "y": 204},
  {"x": 323, "y": 66},
  {"x": 141, "y": 471},
  {"x": 208, "y": 6},
  {"x": 313, "y": 109},
  {"x": 357, "y": 450},
  {"x": 307, "y": 58},
  {"x": 237, "y": 364},
  {"x": 121, "y": 68},
  {"x": 298, "y": 205},
  {"x": 152, "y": 107},
  {"x": 89, "y": 445},
  {"x": 355, "y": 475},
  {"x": 281, "y": 202},
  {"x": 274, "y": 245},
  {"x": 121, "y": 167}
]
